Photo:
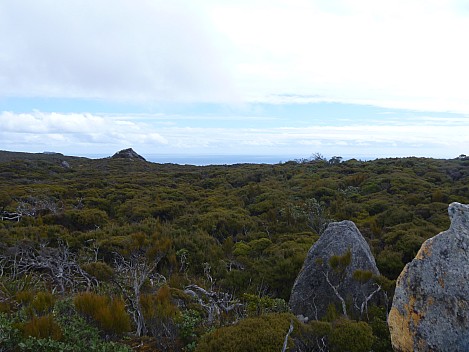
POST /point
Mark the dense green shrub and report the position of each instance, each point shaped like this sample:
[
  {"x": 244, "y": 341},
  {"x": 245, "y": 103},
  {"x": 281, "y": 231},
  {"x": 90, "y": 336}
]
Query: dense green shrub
[
  {"x": 351, "y": 336},
  {"x": 263, "y": 333},
  {"x": 390, "y": 263},
  {"x": 100, "y": 270}
]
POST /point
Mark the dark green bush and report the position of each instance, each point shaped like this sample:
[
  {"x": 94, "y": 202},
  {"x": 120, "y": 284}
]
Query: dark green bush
[
  {"x": 351, "y": 336},
  {"x": 263, "y": 333}
]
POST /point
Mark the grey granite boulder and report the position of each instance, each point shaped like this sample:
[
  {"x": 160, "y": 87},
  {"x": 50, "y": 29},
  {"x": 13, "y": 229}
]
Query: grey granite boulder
[
  {"x": 323, "y": 281},
  {"x": 430, "y": 310}
]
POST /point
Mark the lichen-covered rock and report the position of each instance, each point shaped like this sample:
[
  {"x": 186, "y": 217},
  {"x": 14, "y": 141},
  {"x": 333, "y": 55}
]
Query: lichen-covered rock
[
  {"x": 330, "y": 271},
  {"x": 430, "y": 310}
]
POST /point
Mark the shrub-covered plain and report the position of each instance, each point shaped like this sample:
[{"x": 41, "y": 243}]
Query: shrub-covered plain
[{"x": 116, "y": 254}]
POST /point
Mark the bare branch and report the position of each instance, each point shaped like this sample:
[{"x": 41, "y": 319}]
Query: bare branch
[
  {"x": 5, "y": 215},
  {"x": 364, "y": 305},
  {"x": 131, "y": 274},
  {"x": 336, "y": 292},
  {"x": 58, "y": 266},
  {"x": 213, "y": 302},
  {"x": 285, "y": 342}
]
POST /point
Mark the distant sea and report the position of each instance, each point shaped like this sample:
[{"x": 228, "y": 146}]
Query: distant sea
[{"x": 201, "y": 160}]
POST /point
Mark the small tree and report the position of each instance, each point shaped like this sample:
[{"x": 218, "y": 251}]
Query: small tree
[
  {"x": 317, "y": 215},
  {"x": 137, "y": 265},
  {"x": 335, "y": 160}
]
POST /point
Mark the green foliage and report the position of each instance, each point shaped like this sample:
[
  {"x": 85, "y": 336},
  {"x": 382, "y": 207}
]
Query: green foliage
[
  {"x": 256, "y": 305},
  {"x": 5, "y": 200},
  {"x": 259, "y": 245},
  {"x": 34, "y": 344},
  {"x": 377, "y": 206},
  {"x": 85, "y": 219},
  {"x": 263, "y": 333},
  {"x": 362, "y": 276},
  {"x": 351, "y": 336},
  {"x": 189, "y": 328},
  {"x": 241, "y": 249},
  {"x": 9, "y": 333},
  {"x": 312, "y": 336},
  {"x": 251, "y": 224},
  {"x": 390, "y": 263},
  {"x": 378, "y": 323},
  {"x": 331, "y": 313},
  {"x": 339, "y": 263},
  {"x": 100, "y": 270}
]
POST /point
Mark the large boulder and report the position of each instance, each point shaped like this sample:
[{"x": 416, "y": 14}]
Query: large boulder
[
  {"x": 338, "y": 270},
  {"x": 430, "y": 309}
]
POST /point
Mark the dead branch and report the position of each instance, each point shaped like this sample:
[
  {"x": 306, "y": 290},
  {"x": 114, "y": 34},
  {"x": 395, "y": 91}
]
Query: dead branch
[
  {"x": 58, "y": 266},
  {"x": 213, "y": 302},
  {"x": 336, "y": 292},
  {"x": 5, "y": 215},
  {"x": 285, "y": 342},
  {"x": 131, "y": 274}
]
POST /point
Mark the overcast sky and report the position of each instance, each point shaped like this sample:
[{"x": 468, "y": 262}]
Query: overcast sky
[{"x": 362, "y": 78}]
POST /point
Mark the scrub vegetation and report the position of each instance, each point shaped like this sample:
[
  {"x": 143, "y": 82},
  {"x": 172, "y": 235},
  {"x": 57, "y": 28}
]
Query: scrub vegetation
[{"x": 122, "y": 254}]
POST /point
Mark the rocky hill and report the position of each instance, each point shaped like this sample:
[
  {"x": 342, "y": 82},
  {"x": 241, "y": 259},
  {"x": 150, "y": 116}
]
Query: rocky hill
[{"x": 128, "y": 154}]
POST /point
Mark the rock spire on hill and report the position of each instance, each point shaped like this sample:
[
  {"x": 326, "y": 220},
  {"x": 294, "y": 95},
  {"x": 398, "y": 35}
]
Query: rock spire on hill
[
  {"x": 430, "y": 310},
  {"x": 128, "y": 154},
  {"x": 328, "y": 273}
]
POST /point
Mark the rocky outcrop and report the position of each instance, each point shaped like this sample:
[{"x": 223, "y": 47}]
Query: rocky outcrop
[
  {"x": 430, "y": 310},
  {"x": 337, "y": 270},
  {"x": 128, "y": 154}
]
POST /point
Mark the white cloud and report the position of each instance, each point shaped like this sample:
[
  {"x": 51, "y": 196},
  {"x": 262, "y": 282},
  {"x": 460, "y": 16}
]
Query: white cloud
[
  {"x": 85, "y": 134},
  {"x": 119, "y": 49},
  {"x": 407, "y": 54},
  {"x": 74, "y": 133},
  {"x": 400, "y": 54}
]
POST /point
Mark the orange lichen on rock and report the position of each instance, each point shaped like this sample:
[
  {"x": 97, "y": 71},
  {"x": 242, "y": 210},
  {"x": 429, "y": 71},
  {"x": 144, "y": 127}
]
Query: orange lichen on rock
[
  {"x": 425, "y": 251},
  {"x": 402, "y": 337},
  {"x": 430, "y": 310},
  {"x": 403, "y": 325}
]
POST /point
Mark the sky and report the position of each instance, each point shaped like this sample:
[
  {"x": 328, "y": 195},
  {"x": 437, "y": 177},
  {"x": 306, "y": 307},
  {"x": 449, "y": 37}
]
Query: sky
[{"x": 353, "y": 78}]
